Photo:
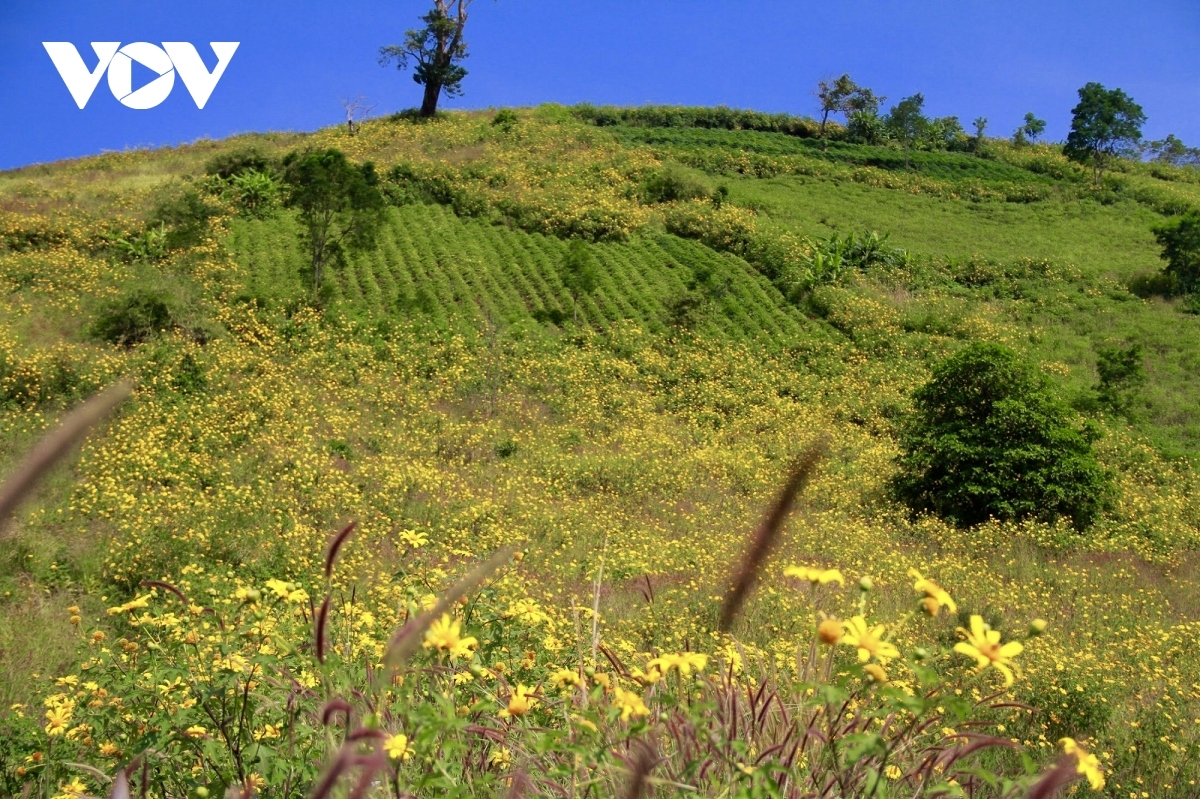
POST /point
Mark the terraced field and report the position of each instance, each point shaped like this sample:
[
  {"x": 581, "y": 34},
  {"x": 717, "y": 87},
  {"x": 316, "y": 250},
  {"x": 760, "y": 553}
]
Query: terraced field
[{"x": 455, "y": 271}]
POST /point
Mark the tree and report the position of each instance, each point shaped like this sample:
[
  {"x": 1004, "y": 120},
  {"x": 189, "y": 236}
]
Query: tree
[
  {"x": 338, "y": 203},
  {"x": 980, "y": 126},
  {"x": 1180, "y": 242},
  {"x": 1171, "y": 150},
  {"x": 356, "y": 108},
  {"x": 989, "y": 439},
  {"x": 437, "y": 48},
  {"x": 1122, "y": 377},
  {"x": 844, "y": 96},
  {"x": 1031, "y": 130},
  {"x": 1104, "y": 125},
  {"x": 579, "y": 273},
  {"x": 906, "y": 123}
]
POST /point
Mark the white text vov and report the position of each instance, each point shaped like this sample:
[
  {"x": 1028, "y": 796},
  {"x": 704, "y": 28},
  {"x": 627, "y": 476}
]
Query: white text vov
[{"x": 172, "y": 57}]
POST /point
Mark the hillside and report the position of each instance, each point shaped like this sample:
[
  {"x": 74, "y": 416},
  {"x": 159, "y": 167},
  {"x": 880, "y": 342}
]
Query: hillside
[{"x": 448, "y": 392}]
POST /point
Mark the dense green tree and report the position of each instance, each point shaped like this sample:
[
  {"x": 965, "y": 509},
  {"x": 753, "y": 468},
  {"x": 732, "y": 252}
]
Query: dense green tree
[
  {"x": 1031, "y": 130},
  {"x": 844, "y": 96},
  {"x": 1122, "y": 377},
  {"x": 579, "y": 273},
  {"x": 989, "y": 439},
  {"x": 980, "y": 126},
  {"x": 1180, "y": 242},
  {"x": 438, "y": 49},
  {"x": 338, "y": 203},
  {"x": 1104, "y": 125},
  {"x": 906, "y": 123}
]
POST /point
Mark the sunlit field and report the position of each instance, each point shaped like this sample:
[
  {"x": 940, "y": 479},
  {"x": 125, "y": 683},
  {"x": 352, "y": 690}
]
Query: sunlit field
[{"x": 180, "y": 592}]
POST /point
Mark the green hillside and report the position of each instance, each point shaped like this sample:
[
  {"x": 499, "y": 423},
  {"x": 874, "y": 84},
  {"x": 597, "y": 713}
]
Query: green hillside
[{"x": 446, "y": 389}]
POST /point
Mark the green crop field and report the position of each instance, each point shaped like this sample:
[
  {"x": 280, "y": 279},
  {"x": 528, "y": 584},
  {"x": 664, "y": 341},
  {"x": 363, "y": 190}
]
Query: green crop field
[{"x": 455, "y": 390}]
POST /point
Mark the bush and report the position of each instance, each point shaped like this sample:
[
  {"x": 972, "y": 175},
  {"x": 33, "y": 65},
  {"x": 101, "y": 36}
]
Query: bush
[
  {"x": 237, "y": 162},
  {"x": 1180, "y": 240},
  {"x": 674, "y": 183},
  {"x": 134, "y": 318},
  {"x": 184, "y": 213},
  {"x": 990, "y": 440}
]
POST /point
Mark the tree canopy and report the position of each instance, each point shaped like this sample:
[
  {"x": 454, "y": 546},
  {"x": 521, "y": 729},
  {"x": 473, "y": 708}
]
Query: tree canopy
[
  {"x": 989, "y": 439},
  {"x": 338, "y": 203},
  {"x": 843, "y": 96},
  {"x": 438, "y": 49},
  {"x": 1104, "y": 125},
  {"x": 906, "y": 123},
  {"x": 1180, "y": 241}
]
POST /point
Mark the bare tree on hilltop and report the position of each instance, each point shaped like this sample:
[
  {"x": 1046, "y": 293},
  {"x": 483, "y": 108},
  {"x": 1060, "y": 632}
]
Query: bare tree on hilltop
[{"x": 438, "y": 49}]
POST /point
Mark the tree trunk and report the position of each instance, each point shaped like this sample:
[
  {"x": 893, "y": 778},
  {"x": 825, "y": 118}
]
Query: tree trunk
[
  {"x": 821, "y": 135},
  {"x": 433, "y": 91}
]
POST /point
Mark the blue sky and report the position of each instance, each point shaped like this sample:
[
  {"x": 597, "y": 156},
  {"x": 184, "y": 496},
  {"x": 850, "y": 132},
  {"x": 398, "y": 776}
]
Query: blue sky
[{"x": 968, "y": 57}]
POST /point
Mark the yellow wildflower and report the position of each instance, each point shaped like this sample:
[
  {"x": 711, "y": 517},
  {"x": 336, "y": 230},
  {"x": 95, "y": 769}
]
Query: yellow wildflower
[
  {"x": 72, "y": 789},
  {"x": 684, "y": 662},
  {"x": 520, "y": 702},
  {"x": 1086, "y": 763},
  {"x": 109, "y": 749},
  {"x": 983, "y": 644},
  {"x": 133, "y": 604},
  {"x": 397, "y": 747},
  {"x": 445, "y": 634},
  {"x": 936, "y": 597},
  {"x": 630, "y": 704},
  {"x": 830, "y": 631},
  {"x": 57, "y": 719},
  {"x": 815, "y": 576},
  {"x": 564, "y": 677},
  {"x": 501, "y": 758},
  {"x": 868, "y": 640},
  {"x": 876, "y": 673},
  {"x": 195, "y": 731}
]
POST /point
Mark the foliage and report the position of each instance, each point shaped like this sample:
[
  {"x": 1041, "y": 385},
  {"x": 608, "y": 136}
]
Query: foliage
[
  {"x": 1171, "y": 151},
  {"x": 906, "y": 123},
  {"x": 506, "y": 119},
  {"x": 338, "y": 204},
  {"x": 1180, "y": 242},
  {"x": 134, "y": 318},
  {"x": 1030, "y": 131},
  {"x": 1105, "y": 124},
  {"x": 1122, "y": 376},
  {"x": 844, "y": 96},
  {"x": 990, "y": 440},
  {"x": 438, "y": 49},
  {"x": 866, "y": 127},
  {"x": 184, "y": 214},
  {"x": 674, "y": 183},
  {"x": 579, "y": 273},
  {"x": 718, "y": 118},
  {"x": 232, "y": 163}
]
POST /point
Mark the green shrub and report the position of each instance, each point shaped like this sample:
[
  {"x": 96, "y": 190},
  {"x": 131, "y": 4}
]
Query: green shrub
[
  {"x": 1122, "y": 377},
  {"x": 674, "y": 183},
  {"x": 989, "y": 439},
  {"x": 506, "y": 119},
  {"x": 134, "y": 318},
  {"x": 236, "y": 162},
  {"x": 1180, "y": 240},
  {"x": 184, "y": 213}
]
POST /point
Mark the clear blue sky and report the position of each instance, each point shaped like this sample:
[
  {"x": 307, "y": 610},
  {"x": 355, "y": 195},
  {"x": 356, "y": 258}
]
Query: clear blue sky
[{"x": 993, "y": 58}]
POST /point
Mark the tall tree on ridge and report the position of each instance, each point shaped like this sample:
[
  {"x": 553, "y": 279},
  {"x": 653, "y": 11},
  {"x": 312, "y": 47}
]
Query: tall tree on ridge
[
  {"x": 906, "y": 122},
  {"x": 842, "y": 95},
  {"x": 1104, "y": 124},
  {"x": 438, "y": 50}
]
